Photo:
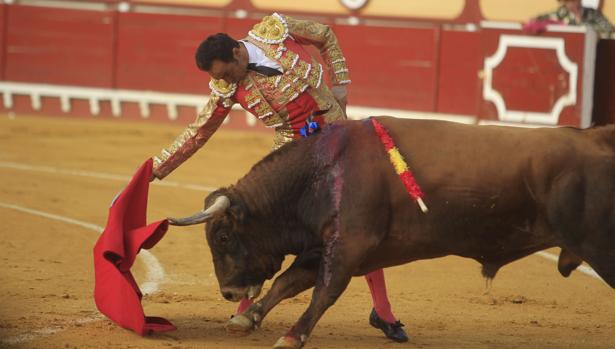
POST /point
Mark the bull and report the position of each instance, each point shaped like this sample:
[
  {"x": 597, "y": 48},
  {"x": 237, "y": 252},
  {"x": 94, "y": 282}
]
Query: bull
[{"x": 495, "y": 194}]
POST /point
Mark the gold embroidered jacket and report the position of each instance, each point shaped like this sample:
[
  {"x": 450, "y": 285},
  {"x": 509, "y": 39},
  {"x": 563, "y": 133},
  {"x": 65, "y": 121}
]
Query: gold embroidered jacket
[{"x": 283, "y": 102}]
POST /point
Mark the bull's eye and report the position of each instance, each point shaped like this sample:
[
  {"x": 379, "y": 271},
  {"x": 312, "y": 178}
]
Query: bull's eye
[{"x": 222, "y": 238}]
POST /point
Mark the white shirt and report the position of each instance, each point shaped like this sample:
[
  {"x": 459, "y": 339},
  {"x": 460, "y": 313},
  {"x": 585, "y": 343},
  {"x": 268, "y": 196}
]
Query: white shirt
[{"x": 257, "y": 56}]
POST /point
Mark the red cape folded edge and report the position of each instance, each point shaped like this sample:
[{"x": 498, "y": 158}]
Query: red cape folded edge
[{"x": 116, "y": 292}]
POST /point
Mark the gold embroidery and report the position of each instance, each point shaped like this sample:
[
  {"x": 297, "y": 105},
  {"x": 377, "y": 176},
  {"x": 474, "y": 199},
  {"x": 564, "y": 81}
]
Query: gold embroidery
[
  {"x": 280, "y": 50},
  {"x": 186, "y": 143},
  {"x": 322, "y": 37},
  {"x": 222, "y": 88},
  {"x": 281, "y": 137},
  {"x": 287, "y": 59},
  {"x": 251, "y": 97},
  {"x": 301, "y": 69},
  {"x": 271, "y": 30},
  {"x": 252, "y": 104},
  {"x": 315, "y": 76},
  {"x": 261, "y": 106}
]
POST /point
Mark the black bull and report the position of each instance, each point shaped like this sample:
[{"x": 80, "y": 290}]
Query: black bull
[{"x": 495, "y": 194}]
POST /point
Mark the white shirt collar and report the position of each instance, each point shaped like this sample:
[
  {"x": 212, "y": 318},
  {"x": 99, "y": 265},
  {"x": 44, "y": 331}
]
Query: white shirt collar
[{"x": 257, "y": 56}]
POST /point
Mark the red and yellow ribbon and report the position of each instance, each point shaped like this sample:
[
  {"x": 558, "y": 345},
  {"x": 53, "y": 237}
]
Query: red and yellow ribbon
[{"x": 401, "y": 168}]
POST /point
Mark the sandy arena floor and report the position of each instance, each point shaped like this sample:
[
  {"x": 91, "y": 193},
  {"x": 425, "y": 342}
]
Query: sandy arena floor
[{"x": 54, "y": 170}]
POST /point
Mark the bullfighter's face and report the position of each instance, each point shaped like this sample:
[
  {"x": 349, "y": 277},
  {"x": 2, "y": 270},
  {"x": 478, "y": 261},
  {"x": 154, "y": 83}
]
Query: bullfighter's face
[{"x": 234, "y": 71}]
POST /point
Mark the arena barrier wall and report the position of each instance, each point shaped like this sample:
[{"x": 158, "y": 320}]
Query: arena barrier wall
[
  {"x": 604, "y": 90},
  {"x": 3, "y": 26},
  {"x": 135, "y": 60}
]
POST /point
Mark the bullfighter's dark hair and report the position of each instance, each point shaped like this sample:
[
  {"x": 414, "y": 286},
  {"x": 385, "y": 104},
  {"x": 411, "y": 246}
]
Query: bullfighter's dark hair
[{"x": 216, "y": 47}]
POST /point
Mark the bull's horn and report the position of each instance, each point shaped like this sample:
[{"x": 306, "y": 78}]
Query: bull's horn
[{"x": 221, "y": 204}]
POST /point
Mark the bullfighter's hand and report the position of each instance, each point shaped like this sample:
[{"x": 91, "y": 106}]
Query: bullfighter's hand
[
  {"x": 340, "y": 94},
  {"x": 152, "y": 177}
]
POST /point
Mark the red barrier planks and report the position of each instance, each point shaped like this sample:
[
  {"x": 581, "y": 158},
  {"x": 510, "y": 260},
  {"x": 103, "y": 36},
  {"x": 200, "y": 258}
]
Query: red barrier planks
[
  {"x": 391, "y": 67},
  {"x": 156, "y": 52},
  {"x": 59, "y": 46},
  {"x": 3, "y": 25},
  {"x": 458, "y": 79},
  {"x": 238, "y": 28}
]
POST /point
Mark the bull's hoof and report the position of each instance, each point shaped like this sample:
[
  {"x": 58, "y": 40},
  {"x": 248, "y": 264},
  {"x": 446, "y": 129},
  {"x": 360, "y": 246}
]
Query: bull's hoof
[
  {"x": 239, "y": 325},
  {"x": 288, "y": 342}
]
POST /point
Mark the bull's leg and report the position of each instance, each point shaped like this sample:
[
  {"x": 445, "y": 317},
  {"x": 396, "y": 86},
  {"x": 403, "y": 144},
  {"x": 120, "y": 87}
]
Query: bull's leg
[
  {"x": 567, "y": 262},
  {"x": 300, "y": 276},
  {"x": 323, "y": 297},
  {"x": 340, "y": 260},
  {"x": 325, "y": 294},
  {"x": 581, "y": 211}
]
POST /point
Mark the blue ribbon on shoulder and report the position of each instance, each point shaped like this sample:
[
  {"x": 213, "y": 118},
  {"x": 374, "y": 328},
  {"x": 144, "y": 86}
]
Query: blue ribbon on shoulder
[{"x": 309, "y": 129}]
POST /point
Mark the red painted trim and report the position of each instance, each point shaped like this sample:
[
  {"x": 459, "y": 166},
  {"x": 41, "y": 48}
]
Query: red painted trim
[
  {"x": 115, "y": 35},
  {"x": 438, "y": 53},
  {"x": 4, "y": 9}
]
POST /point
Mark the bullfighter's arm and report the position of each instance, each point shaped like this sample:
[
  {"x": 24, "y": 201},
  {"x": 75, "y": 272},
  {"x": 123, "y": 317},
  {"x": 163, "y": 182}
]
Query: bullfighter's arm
[
  {"x": 321, "y": 36},
  {"x": 193, "y": 137}
]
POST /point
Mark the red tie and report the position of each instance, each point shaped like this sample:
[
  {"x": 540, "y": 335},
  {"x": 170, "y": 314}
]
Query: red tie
[{"x": 116, "y": 293}]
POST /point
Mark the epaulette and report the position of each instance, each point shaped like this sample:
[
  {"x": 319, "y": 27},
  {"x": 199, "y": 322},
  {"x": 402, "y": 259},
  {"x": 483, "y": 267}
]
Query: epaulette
[
  {"x": 271, "y": 30},
  {"x": 222, "y": 88}
]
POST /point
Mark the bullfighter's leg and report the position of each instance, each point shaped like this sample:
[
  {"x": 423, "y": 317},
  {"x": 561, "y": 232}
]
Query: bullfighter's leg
[
  {"x": 382, "y": 316},
  {"x": 300, "y": 276}
]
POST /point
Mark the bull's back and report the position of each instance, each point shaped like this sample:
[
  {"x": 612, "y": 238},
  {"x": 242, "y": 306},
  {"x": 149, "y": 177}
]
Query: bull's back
[
  {"x": 446, "y": 153},
  {"x": 482, "y": 185}
]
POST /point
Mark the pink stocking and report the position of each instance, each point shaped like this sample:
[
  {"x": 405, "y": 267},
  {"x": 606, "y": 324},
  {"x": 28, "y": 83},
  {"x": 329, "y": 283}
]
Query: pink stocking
[
  {"x": 378, "y": 288},
  {"x": 244, "y": 305}
]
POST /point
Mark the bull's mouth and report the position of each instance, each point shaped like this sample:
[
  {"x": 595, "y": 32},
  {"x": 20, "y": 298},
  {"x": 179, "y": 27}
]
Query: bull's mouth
[{"x": 235, "y": 294}]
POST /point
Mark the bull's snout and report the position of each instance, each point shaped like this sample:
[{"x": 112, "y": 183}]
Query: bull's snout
[
  {"x": 235, "y": 294},
  {"x": 227, "y": 295},
  {"x": 232, "y": 295}
]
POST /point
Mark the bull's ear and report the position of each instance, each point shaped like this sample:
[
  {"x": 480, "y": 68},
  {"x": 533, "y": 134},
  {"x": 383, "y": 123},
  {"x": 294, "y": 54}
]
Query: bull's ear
[{"x": 237, "y": 212}]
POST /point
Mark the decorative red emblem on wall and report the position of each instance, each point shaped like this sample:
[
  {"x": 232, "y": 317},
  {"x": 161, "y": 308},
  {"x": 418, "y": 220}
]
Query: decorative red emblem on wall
[{"x": 530, "y": 79}]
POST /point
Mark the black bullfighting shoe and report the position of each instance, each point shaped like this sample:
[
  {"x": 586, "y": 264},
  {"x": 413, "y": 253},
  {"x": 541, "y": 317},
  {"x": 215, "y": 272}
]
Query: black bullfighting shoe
[{"x": 393, "y": 331}]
